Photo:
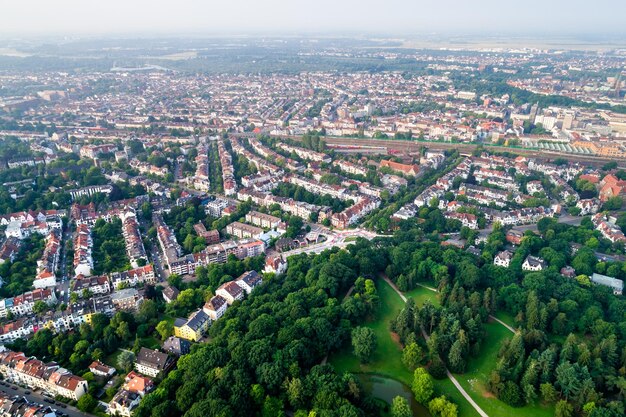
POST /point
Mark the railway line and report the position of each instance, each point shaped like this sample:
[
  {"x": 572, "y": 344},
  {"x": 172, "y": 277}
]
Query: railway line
[{"x": 415, "y": 146}]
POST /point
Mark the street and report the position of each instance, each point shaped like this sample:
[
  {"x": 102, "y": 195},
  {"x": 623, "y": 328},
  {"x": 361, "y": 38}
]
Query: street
[
  {"x": 36, "y": 397},
  {"x": 337, "y": 239}
]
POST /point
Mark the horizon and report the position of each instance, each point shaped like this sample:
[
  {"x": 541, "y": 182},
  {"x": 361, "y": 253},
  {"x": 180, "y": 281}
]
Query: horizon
[{"x": 398, "y": 18}]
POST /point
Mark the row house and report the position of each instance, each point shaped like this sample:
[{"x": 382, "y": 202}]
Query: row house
[
  {"x": 589, "y": 206},
  {"x": 317, "y": 187},
  {"x": 430, "y": 193},
  {"x": 133, "y": 277},
  {"x": 146, "y": 168},
  {"x": 132, "y": 237},
  {"x": 93, "y": 285},
  {"x": 521, "y": 216},
  {"x": 270, "y": 155},
  {"x": 567, "y": 172},
  {"x": 167, "y": 240},
  {"x": 83, "y": 262},
  {"x": 466, "y": 219},
  {"x": 354, "y": 213},
  {"x": 608, "y": 230},
  {"x": 21, "y": 162},
  {"x": 228, "y": 172},
  {"x": 9, "y": 249},
  {"x": 23, "y": 304},
  {"x": 16, "y": 367},
  {"x": 24, "y": 230},
  {"x": 21, "y": 407},
  {"x": 48, "y": 264},
  {"x": 201, "y": 178},
  {"x": 351, "y": 168},
  {"x": 566, "y": 192},
  {"x": 20, "y": 328},
  {"x": 260, "y": 163}
]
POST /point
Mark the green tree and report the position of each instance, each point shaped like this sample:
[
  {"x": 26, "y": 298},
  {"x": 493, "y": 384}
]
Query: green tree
[
  {"x": 87, "y": 403},
  {"x": 422, "y": 386},
  {"x": 441, "y": 407},
  {"x": 400, "y": 407},
  {"x": 165, "y": 329},
  {"x": 412, "y": 355},
  {"x": 126, "y": 360},
  {"x": 363, "y": 343},
  {"x": 563, "y": 409}
]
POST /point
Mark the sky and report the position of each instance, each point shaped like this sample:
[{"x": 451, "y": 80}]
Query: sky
[{"x": 215, "y": 17}]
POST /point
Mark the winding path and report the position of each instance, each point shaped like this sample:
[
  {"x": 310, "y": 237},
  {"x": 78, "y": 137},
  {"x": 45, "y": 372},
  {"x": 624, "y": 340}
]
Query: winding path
[{"x": 452, "y": 378}]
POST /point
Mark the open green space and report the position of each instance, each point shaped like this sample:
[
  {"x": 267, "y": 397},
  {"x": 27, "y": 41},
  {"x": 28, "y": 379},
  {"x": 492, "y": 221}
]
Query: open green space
[
  {"x": 386, "y": 360},
  {"x": 111, "y": 360},
  {"x": 474, "y": 381},
  {"x": 420, "y": 295}
]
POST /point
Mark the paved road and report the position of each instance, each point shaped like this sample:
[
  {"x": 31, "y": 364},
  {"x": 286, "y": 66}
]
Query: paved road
[
  {"x": 38, "y": 398},
  {"x": 334, "y": 239}
]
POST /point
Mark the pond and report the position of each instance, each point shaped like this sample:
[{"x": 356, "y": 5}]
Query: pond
[{"x": 387, "y": 389}]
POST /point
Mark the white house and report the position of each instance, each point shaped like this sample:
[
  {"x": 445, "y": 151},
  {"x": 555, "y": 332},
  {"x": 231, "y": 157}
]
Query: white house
[
  {"x": 532, "y": 263},
  {"x": 503, "y": 259}
]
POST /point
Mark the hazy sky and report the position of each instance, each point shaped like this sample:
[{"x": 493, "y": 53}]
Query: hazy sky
[{"x": 246, "y": 16}]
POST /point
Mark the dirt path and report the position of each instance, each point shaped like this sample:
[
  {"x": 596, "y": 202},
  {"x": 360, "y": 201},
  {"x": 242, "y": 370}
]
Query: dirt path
[{"x": 452, "y": 378}]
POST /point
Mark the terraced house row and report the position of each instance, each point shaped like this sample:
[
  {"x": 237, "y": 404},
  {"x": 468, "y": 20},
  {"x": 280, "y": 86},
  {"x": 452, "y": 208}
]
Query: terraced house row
[{"x": 51, "y": 378}]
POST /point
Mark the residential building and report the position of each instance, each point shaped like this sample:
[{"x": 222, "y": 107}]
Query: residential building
[
  {"x": 152, "y": 362},
  {"x": 230, "y": 291},
  {"x": 51, "y": 378},
  {"x": 192, "y": 328},
  {"x": 533, "y": 263},
  {"x": 215, "y": 307},
  {"x": 503, "y": 259},
  {"x": 249, "y": 280},
  {"x": 617, "y": 285}
]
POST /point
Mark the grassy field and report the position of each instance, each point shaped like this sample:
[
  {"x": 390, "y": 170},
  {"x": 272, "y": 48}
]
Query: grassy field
[
  {"x": 421, "y": 294},
  {"x": 475, "y": 379},
  {"x": 111, "y": 360},
  {"x": 386, "y": 360}
]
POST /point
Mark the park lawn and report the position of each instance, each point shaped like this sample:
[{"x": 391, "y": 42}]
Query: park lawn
[
  {"x": 474, "y": 380},
  {"x": 111, "y": 360},
  {"x": 150, "y": 342},
  {"x": 420, "y": 295},
  {"x": 386, "y": 360}
]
